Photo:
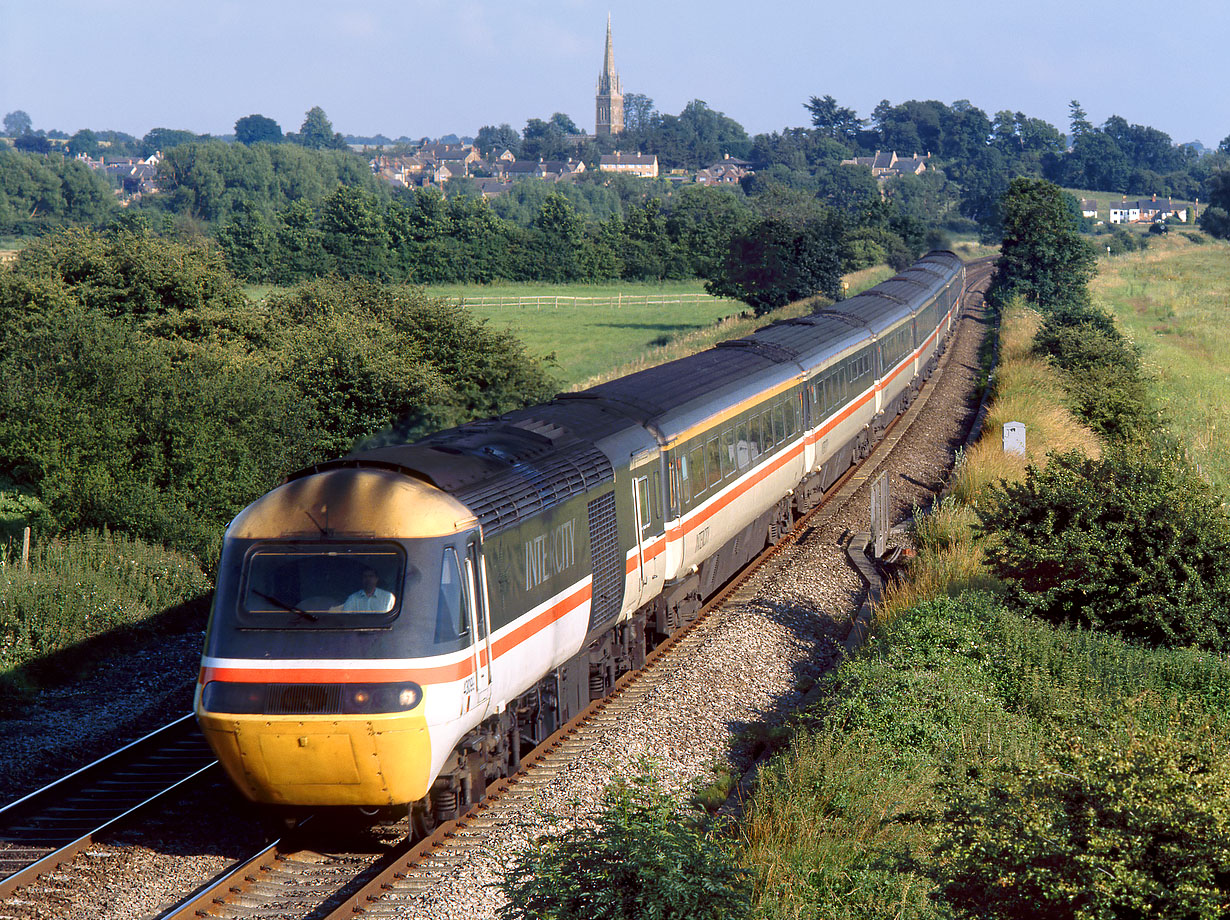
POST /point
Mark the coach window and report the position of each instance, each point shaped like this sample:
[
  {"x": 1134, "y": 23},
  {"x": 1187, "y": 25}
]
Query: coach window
[
  {"x": 713, "y": 463},
  {"x": 743, "y": 447},
  {"x": 728, "y": 452},
  {"x": 753, "y": 436},
  {"x": 779, "y": 424},
  {"x": 792, "y": 426},
  {"x": 685, "y": 484},
  {"x": 655, "y": 494},
  {"x": 697, "y": 462}
]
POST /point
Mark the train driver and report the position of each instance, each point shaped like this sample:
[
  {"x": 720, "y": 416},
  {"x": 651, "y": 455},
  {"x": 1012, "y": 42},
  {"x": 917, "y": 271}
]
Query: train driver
[{"x": 370, "y": 598}]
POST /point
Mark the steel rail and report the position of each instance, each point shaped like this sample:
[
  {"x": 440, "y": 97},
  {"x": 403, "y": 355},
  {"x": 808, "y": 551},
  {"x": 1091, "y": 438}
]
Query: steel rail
[{"x": 46, "y": 828}]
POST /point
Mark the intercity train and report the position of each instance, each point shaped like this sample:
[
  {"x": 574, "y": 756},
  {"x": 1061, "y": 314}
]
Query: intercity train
[{"x": 394, "y": 627}]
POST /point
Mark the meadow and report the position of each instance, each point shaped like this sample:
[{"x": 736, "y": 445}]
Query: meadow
[{"x": 1173, "y": 300}]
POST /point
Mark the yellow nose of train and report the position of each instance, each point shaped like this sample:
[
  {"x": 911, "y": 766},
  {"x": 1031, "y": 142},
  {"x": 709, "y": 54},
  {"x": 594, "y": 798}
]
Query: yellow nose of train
[{"x": 323, "y": 760}]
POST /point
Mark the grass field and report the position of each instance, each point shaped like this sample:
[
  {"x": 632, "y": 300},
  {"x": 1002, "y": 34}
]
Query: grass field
[
  {"x": 1173, "y": 300},
  {"x": 594, "y": 342}
]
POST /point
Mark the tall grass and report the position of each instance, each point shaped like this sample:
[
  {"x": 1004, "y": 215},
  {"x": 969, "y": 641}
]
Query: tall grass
[{"x": 79, "y": 587}]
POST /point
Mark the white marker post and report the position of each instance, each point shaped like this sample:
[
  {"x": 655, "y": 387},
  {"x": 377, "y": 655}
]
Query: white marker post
[{"x": 1014, "y": 438}]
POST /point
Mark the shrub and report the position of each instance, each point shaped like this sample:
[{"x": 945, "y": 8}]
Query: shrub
[
  {"x": 1095, "y": 830},
  {"x": 1101, "y": 370},
  {"x": 643, "y": 856},
  {"x": 1134, "y": 543}
]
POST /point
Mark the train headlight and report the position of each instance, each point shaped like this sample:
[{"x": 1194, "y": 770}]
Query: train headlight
[{"x": 309, "y": 699}]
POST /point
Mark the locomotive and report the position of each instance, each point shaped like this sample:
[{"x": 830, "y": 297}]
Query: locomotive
[{"x": 393, "y": 628}]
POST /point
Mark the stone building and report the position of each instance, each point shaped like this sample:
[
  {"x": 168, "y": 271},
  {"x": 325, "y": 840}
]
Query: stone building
[{"x": 610, "y": 99}]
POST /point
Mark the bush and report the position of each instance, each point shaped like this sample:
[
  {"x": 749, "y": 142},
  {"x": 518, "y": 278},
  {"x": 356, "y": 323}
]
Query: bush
[
  {"x": 84, "y": 585},
  {"x": 643, "y": 856},
  {"x": 1101, "y": 371},
  {"x": 1095, "y": 830},
  {"x": 1134, "y": 543}
]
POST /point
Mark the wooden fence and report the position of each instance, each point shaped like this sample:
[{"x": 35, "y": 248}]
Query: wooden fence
[{"x": 617, "y": 301}]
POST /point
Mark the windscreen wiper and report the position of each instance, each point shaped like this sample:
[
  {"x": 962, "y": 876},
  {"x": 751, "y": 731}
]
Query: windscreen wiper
[{"x": 286, "y": 606}]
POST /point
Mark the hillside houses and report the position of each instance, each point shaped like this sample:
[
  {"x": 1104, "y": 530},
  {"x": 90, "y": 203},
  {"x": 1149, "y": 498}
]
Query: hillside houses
[
  {"x": 1142, "y": 211},
  {"x": 885, "y": 166},
  {"x": 435, "y": 164}
]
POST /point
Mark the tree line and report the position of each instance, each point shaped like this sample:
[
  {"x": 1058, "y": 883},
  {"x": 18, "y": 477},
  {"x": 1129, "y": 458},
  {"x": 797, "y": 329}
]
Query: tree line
[{"x": 140, "y": 389}]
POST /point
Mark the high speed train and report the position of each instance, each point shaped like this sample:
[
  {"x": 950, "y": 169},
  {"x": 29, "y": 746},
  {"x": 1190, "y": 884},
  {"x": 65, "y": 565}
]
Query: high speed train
[{"x": 393, "y": 627}]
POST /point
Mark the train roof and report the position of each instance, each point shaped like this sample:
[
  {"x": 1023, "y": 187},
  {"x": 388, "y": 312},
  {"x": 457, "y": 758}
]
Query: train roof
[{"x": 531, "y": 459}]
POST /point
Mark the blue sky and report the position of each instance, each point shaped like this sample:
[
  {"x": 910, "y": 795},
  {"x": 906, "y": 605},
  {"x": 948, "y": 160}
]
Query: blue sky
[{"x": 430, "y": 67}]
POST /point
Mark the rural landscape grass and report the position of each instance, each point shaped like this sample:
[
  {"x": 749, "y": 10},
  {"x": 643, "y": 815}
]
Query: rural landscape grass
[
  {"x": 855, "y": 817},
  {"x": 1173, "y": 300}
]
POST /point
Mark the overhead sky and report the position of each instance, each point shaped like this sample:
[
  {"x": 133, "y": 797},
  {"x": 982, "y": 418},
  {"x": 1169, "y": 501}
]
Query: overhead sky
[{"x": 432, "y": 67}]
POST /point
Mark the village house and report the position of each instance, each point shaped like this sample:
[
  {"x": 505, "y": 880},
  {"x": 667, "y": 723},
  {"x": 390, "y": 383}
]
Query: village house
[
  {"x": 1089, "y": 208},
  {"x": 726, "y": 172},
  {"x": 885, "y": 166},
  {"x": 633, "y": 164},
  {"x": 1131, "y": 212}
]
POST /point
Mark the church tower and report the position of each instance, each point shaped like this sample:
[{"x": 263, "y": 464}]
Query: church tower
[{"x": 610, "y": 99}]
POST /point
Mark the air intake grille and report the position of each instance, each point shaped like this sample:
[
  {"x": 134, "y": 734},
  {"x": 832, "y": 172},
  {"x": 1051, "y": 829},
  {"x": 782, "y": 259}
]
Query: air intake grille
[
  {"x": 608, "y": 561},
  {"x": 533, "y": 486}
]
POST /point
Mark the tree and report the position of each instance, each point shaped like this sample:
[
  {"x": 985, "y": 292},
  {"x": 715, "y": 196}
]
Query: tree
[
  {"x": 1043, "y": 256},
  {"x": 833, "y": 120},
  {"x": 317, "y": 133},
  {"x": 543, "y": 140},
  {"x": 1216, "y": 216},
  {"x": 772, "y": 263},
  {"x": 1224, "y": 146},
  {"x": 638, "y": 112},
  {"x": 565, "y": 124},
  {"x": 1078, "y": 121},
  {"x": 32, "y": 143},
  {"x": 495, "y": 140},
  {"x": 257, "y": 129},
  {"x": 160, "y": 140},
  {"x": 17, "y": 123},
  {"x": 84, "y": 141}
]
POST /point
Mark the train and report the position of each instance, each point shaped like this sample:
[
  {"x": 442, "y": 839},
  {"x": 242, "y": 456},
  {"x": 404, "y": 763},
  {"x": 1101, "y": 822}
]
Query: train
[{"x": 395, "y": 627}]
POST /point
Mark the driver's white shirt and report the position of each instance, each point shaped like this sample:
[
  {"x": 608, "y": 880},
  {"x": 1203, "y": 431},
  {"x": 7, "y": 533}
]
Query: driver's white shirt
[{"x": 379, "y": 601}]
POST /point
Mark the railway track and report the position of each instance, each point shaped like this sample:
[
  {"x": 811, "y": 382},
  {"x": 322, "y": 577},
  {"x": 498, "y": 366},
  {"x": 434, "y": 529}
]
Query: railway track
[
  {"x": 291, "y": 878},
  {"x": 286, "y": 883},
  {"x": 50, "y": 826}
]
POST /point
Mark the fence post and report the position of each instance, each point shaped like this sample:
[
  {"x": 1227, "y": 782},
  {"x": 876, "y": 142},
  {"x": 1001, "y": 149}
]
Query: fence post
[{"x": 25, "y": 548}]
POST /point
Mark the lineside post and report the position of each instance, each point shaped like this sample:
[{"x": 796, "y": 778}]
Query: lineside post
[{"x": 879, "y": 514}]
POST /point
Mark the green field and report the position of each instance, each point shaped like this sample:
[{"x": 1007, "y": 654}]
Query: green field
[
  {"x": 617, "y": 332},
  {"x": 1174, "y": 301},
  {"x": 588, "y": 338}
]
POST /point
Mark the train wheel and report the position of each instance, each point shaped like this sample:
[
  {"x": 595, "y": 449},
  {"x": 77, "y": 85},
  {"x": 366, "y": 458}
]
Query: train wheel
[{"x": 423, "y": 821}]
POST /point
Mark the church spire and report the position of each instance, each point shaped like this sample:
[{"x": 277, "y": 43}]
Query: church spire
[{"x": 609, "y": 101}]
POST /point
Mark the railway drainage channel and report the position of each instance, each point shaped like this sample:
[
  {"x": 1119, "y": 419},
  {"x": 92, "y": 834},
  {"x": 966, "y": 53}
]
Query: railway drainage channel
[{"x": 306, "y": 884}]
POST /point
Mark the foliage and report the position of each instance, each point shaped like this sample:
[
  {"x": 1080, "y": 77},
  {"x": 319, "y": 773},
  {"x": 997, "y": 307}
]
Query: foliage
[
  {"x": 40, "y": 193},
  {"x": 1140, "y": 829},
  {"x": 140, "y": 390},
  {"x": 1216, "y": 217},
  {"x": 257, "y": 129},
  {"x": 1133, "y": 543},
  {"x": 82, "y": 585},
  {"x": 644, "y": 855},
  {"x": 941, "y": 704},
  {"x": 1044, "y": 259},
  {"x": 1101, "y": 371},
  {"x": 772, "y": 264}
]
